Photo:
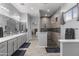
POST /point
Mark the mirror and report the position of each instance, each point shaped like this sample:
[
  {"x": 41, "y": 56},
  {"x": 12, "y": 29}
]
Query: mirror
[{"x": 11, "y": 26}]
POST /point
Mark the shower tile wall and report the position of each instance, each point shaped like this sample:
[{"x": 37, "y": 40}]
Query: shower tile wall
[{"x": 53, "y": 30}]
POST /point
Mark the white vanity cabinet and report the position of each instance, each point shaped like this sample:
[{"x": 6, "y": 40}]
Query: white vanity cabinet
[
  {"x": 22, "y": 39},
  {"x": 15, "y": 44},
  {"x": 69, "y": 47},
  {"x": 19, "y": 41},
  {"x": 10, "y": 47},
  {"x": 3, "y": 49},
  {"x": 25, "y": 38},
  {"x": 42, "y": 39}
]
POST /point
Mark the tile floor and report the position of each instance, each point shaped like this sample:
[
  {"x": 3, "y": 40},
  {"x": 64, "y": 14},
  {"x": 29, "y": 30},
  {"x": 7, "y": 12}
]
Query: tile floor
[{"x": 35, "y": 50}]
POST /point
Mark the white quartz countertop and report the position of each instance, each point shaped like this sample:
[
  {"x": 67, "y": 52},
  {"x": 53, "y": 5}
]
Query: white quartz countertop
[
  {"x": 71, "y": 40},
  {"x": 10, "y": 37}
]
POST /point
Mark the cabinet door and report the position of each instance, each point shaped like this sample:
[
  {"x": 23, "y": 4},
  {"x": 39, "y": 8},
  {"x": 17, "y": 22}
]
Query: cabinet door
[
  {"x": 42, "y": 38},
  {"x": 3, "y": 49},
  {"x": 10, "y": 47},
  {"x": 25, "y": 38},
  {"x": 21, "y": 38},
  {"x": 19, "y": 41},
  {"x": 15, "y": 44}
]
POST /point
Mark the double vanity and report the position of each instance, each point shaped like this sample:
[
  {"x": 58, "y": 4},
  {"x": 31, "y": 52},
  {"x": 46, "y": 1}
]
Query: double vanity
[{"x": 9, "y": 44}]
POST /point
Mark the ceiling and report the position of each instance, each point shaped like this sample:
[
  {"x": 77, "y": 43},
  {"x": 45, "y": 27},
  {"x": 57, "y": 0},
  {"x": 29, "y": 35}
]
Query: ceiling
[{"x": 34, "y": 8}]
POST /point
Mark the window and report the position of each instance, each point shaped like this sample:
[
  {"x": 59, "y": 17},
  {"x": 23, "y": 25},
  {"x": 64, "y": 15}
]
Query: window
[
  {"x": 72, "y": 14},
  {"x": 75, "y": 12},
  {"x": 68, "y": 15}
]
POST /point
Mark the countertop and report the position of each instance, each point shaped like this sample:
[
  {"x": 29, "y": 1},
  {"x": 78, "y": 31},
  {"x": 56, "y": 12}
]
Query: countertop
[
  {"x": 71, "y": 40},
  {"x": 3, "y": 39}
]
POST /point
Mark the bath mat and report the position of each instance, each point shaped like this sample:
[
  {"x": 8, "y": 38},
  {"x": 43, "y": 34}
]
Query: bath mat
[
  {"x": 25, "y": 45},
  {"x": 53, "y": 50},
  {"x": 19, "y": 53}
]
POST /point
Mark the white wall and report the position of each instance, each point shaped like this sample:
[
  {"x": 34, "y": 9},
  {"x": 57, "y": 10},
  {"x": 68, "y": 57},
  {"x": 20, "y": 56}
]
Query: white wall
[
  {"x": 71, "y": 24},
  {"x": 29, "y": 34},
  {"x": 32, "y": 23},
  {"x": 35, "y": 20},
  {"x": 67, "y": 6}
]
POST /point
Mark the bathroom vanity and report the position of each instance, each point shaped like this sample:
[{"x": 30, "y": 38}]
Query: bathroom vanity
[
  {"x": 69, "y": 47},
  {"x": 9, "y": 44},
  {"x": 69, "y": 42}
]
